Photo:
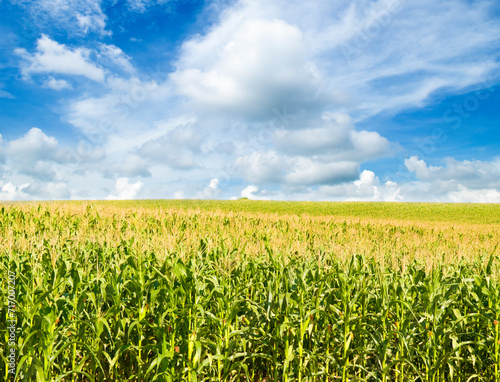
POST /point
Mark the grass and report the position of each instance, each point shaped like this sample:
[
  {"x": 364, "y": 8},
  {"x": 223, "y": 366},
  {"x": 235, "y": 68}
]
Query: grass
[{"x": 252, "y": 291}]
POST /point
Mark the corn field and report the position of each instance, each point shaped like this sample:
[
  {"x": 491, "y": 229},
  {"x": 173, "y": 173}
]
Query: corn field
[{"x": 109, "y": 292}]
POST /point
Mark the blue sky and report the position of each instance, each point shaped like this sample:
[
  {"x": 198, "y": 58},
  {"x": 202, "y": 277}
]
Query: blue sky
[{"x": 387, "y": 100}]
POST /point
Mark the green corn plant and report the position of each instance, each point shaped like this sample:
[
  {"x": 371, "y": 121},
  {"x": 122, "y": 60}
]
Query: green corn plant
[{"x": 108, "y": 293}]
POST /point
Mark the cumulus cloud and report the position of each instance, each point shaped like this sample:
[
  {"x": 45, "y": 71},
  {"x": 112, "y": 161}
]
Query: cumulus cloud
[
  {"x": 43, "y": 162},
  {"x": 334, "y": 132},
  {"x": 334, "y": 137},
  {"x": 326, "y": 153},
  {"x": 211, "y": 191},
  {"x": 126, "y": 190},
  {"x": 33, "y": 162},
  {"x": 33, "y": 154},
  {"x": 333, "y": 56},
  {"x": 323, "y": 61},
  {"x": 473, "y": 174},
  {"x": 366, "y": 57},
  {"x": 254, "y": 193},
  {"x": 274, "y": 168},
  {"x": 52, "y": 57},
  {"x": 247, "y": 67},
  {"x": 455, "y": 181},
  {"x": 9, "y": 191},
  {"x": 465, "y": 195},
  {"x": 367, "y": 187},
  {"x": 307, "y": 171},
  {"x": 33, "y": 191},
  {"x": 40, "y": 156}
]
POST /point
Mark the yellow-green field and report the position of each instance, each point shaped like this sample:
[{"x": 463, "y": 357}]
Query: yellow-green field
[{"x": 251, "y": 291}]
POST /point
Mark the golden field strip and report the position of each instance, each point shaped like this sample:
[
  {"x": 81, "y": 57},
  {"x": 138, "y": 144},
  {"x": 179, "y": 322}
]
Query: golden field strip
[
  {"x": 432, "y": 236},
  {"x": 249, "y": 291}
]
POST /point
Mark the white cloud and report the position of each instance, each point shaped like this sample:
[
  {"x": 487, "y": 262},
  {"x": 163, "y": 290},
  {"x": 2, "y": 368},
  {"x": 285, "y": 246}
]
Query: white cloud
[
  {"x": 210, "y": 192},
  {"x": 247, "y": 67},
  {"x": 323, "y": 61},
  {"x": 176, "y": 148},
  {"x": 455, "y": 181},
  {"x": 473, "y": 174},
  {"x": 307, "y": 171},
  {"x": 139, "y": 5},
  {"x": 33, "y": 154},
  {"x": 126, "y": 190},
  {"x": 128, "y": 105},
  {"x": 262, "y": 167},
  {"x": 9, "y": 191},
  {"x": 74, "y": 16},
  {"x": 248, "y": 191},
  {"x": 142, "y": 6},
  {"x": 367, "y": 188},
  {"x": 52, "y": 57},
  {"x": 55, "y": 84},
  {"x": 274, "y": 168},
  {"x": 464, "y": 195},
  {"x": 361, "y": 57},
  {"x": 370, "y": 144},
  {"x": 129, "y": 165},
  {"x": 179, "y": 194},
  {"x": 254, "y": 193},
  {"x": 111, "y": 54},
  {"x": 38, "y": 160},
  {"x": 48, "y": 191},
  {"x": 334, "y": 138},
  {"x": 327, "y": 153},
  {"x": 91, "y": 22},
  {"x": 33, "y": 191},
  {"x": 450, "y": 183},
  {"x": 333, "y": 133}
]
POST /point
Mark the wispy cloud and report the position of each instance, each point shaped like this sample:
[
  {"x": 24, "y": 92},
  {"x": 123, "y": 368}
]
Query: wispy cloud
[
  {"x": 73, "y": 16},
  {"x": 5, "y": 94}
]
